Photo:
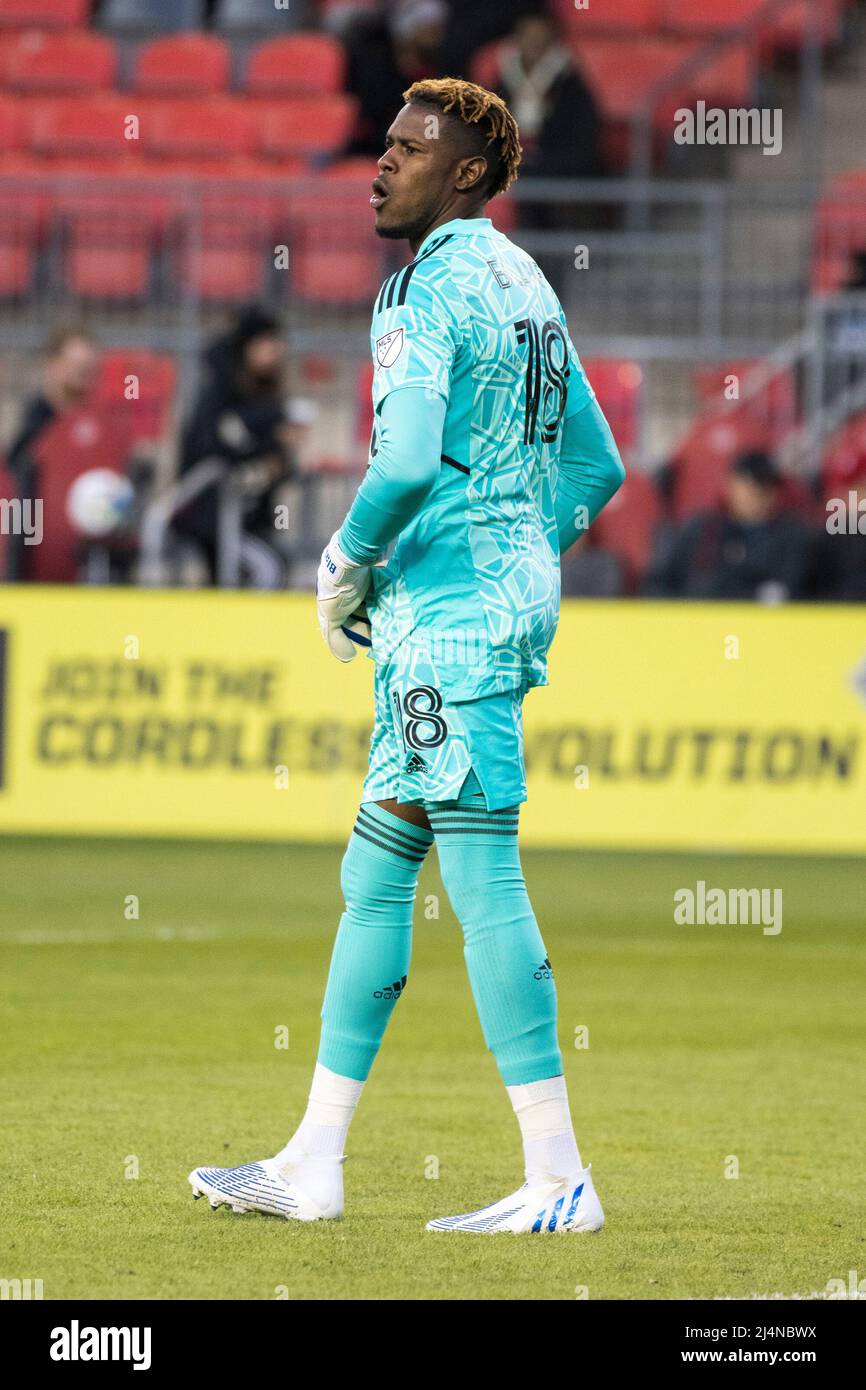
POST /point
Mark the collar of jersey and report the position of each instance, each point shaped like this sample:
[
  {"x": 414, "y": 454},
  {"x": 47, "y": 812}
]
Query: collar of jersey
[{"x": 458, "y": 226}]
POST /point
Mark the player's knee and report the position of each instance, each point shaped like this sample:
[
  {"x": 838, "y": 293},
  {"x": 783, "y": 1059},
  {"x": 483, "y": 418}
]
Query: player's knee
[{"x": 378, "y": 889}]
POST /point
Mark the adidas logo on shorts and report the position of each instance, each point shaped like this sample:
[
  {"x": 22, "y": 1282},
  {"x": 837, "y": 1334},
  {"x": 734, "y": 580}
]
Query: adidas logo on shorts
[
  {"x": 416, "y": 764},
  {"x": 544, "y": 971}
]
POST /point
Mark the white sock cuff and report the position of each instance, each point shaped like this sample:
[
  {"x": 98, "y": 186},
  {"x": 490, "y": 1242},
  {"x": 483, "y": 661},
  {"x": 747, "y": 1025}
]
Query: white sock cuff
[
  {"x": 333, "y": 1097},
  {"x": 541, "y": 1108}
]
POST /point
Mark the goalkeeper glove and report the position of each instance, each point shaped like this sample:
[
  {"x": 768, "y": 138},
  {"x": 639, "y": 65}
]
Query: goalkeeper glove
[{"x": 340, "y": 589}]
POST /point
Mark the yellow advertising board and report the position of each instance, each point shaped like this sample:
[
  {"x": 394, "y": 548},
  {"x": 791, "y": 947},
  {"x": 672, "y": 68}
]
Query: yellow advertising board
[{"x": 210, "y": 714}]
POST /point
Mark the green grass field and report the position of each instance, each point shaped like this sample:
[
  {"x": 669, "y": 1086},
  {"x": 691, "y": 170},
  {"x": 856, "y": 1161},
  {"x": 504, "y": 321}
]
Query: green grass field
[{"x": 151, "y": 1043}]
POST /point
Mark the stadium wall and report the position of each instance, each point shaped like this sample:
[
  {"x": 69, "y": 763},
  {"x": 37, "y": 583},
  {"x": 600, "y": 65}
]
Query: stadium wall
[{"x": 221, "y": 715}]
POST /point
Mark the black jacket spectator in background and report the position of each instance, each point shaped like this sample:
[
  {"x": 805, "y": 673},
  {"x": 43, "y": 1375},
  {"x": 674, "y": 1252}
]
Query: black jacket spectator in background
[
  {"x": 560, "y": 127},
  {"x": 240, "y": 417},
  {"x": 473, "y": 23},
  {"x": 386, "y": 54},
  {"x": 749, "y": 548}
]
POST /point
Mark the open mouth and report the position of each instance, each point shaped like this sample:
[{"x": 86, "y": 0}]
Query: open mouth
[{"x": 379, "y": 195}]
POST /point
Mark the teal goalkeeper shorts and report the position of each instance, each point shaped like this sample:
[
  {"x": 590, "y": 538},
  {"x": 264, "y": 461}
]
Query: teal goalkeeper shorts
[{"x": 423, "y": 748}]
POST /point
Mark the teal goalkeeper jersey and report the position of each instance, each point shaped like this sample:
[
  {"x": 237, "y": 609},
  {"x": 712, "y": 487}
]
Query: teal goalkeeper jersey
[{"x": 473, "y": 579}]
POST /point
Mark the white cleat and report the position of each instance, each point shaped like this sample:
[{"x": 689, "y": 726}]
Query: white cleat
[
  {"x": 557, "y": 1205},
  {"x": 262, "y": 1187}
]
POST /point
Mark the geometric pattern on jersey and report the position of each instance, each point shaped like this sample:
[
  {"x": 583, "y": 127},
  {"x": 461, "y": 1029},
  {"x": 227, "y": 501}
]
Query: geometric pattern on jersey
[
  {"x": 423, "y": 746},
  {"x": 476, "y": 572}
]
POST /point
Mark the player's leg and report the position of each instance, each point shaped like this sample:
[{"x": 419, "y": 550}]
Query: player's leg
[
  {"x": 512, "y": 980},
  {"x": 369, "y": 967},
  {"x": 368, "y": 971}
]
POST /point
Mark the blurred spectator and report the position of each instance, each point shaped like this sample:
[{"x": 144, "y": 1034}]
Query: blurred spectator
[
  {"x": 241, "y": 417},
  {"x": 470, "y": 26},
  {"x": 560, "y": 127},
  {"x": 846, "y": 334},
  {"x": 69, "y": 375},
  {"x": 589, "y": 571},
  {"x": 70, "y": 368},
  {"x": 840, "y": 555},
  {"x": 386, "y": 54},
  {"x": 750, "y": 547}
]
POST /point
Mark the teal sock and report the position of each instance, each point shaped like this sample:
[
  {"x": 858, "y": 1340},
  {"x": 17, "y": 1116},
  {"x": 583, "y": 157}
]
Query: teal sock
[
  {"x": 370, "y": 960},
  {"x": 512, "y": 981}
]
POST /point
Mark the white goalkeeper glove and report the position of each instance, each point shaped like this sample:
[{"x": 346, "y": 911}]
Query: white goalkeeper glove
[{"x": 340, "y": 589}]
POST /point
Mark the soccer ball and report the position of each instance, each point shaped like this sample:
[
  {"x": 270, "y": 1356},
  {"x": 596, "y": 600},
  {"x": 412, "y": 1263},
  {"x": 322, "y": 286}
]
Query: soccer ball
[
  {"x": 99, "y": 502},
  {"x": 357, "y": 627}
]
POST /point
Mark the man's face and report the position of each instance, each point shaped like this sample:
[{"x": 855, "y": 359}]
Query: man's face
[
  {"x": 74, "y": 369},
  {"x": 533, "y": 37},
  {"x": 417, "y": 174},
  {"x": 748, "y": 501},
  {"x": 264, "y": 357}
]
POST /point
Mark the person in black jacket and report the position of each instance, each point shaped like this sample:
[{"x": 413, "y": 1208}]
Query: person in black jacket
[
  {"x": 748, "y": 548},
  {"x": 560, "y": 126},
  {"x": 240, "y": 417}
]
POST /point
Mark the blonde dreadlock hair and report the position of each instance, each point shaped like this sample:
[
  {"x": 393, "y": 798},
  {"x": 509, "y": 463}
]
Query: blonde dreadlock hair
[{"x": 487, "y": 112}]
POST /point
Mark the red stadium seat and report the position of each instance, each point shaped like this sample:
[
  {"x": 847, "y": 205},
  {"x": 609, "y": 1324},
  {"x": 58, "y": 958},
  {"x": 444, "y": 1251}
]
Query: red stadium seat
[
  {"x": 785, "y": 32},
  {"x": 707, "y": 16},
  {"x": 334, "y": 258},
  {"x": 147, "y": 401},
  {"x": 627, "y": 525},
  {"x": 85, "y": 127},
  {"x": 226, "y": 249},
  {"x": 623, "y": 73},
  {"x": 702, "y": 460},
  {"x": 358, "y": 167},
  {"x": 44, "y": 14},
  {"x": 300, "y": 127},
  {"x": 182, "y": 65},
  {"x": 618, "y": 384},
  {"x": 774, "y": 406},
  {"x": 844, "y": 453},
  {"x": 14, "y": 123},
  {"x": 297, "y": 65},
  {"x": 840, "y": 230},
  {"x": 608, "y": 16},
  {"x": 46, "y": 62},
  {"x": 199, "y": 128},
  {"x": 107, "y": 255},
  {"x": 19, "y": 236},
  {"x": 504, "y": 213}
]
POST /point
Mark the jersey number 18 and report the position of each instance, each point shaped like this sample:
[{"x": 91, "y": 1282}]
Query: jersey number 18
[{"x": 546, "y": 377}]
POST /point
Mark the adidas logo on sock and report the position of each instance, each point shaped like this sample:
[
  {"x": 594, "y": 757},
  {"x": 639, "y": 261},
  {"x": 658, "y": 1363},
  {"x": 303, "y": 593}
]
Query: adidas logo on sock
[
  {"x": 544, "y": 971},
  {"x": 416, "y": 764},
  {"x": 391, "y": 991}
]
